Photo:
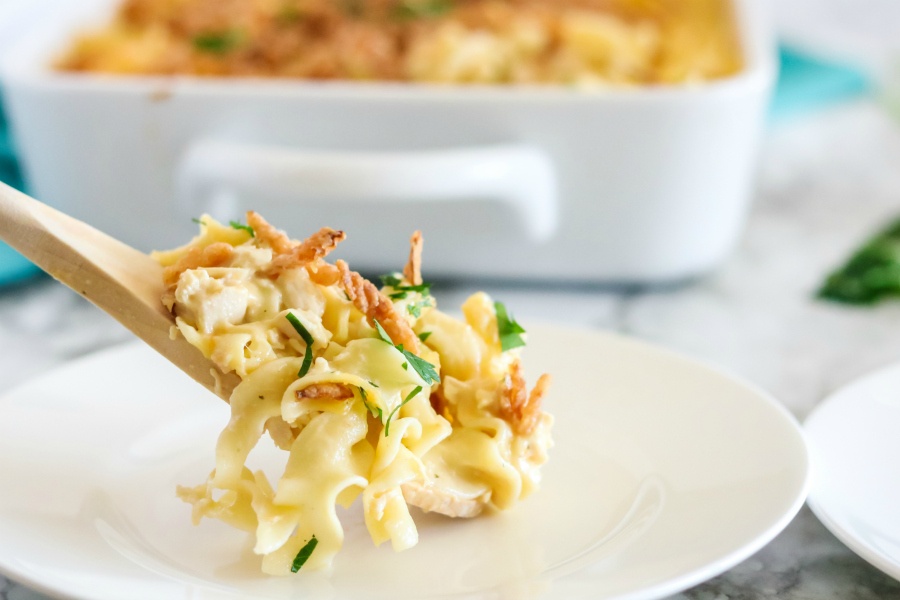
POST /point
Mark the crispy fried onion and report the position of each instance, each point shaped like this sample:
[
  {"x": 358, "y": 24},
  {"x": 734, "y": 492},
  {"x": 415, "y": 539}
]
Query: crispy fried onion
[
  {"x": 332, "y": 391},
  {"x": 282, "y": 433},
  {"x": 412, "y": 272},
  {"x": 289, "y": 254},
  {"x": 517, "y": 407},
  {"x": 214, "y": 255},
  {"x": 376, "y": 306}
]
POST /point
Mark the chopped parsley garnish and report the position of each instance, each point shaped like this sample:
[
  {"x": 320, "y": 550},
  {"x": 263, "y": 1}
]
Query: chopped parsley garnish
[
  {"x": 410, "y": 396},
  {"x": 198, "y": 221},
  {"x": 424, "y": 335},
  {"x": 304, "y": 554},
  {"x": 424, "y": 368},
  {"x": 508, "y": 330},
  {"x": 871, "y": 274},
  {"x": 376, "y": 411},
  {"x": 415, "y": 309},
  {"x": 242, "y": 227},
  {"x": 304, "y": 333},
  {"x": 289, "y": 15},
  {"x": 402, "y": 291},
  {"x": 217, "y": 42},
  {"x": 391, "y": 279},
  {"x": 421, "y": 9}
]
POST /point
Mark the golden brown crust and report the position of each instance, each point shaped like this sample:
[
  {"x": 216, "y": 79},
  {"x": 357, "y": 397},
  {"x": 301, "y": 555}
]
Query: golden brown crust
[
  {"x": 332, "y": 391},
  {"x": 517, "y": 407},
  {"x": 377, "y": 307},
  {"x": 365, "y": 40},
  {"x": 412, "y": 272}
]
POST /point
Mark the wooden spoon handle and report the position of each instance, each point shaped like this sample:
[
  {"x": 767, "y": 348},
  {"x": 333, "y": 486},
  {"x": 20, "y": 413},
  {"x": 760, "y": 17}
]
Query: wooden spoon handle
[{"x": 122, "y": 281}]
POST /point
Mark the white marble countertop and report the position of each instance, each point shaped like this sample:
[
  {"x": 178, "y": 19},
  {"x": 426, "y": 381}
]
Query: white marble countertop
[{"x": 826, "y": 182}]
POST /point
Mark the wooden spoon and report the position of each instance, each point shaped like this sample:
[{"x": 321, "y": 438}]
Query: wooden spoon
[{"x": 122, "y": 281}]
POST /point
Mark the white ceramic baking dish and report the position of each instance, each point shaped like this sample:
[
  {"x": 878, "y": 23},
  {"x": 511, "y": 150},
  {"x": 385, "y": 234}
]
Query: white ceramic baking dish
[{"x": 641, "y": 185}]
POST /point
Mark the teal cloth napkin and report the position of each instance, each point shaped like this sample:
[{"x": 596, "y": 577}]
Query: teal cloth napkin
[
  {"x": 13, "y": 266},
  {"x": 806, "y": 83}
]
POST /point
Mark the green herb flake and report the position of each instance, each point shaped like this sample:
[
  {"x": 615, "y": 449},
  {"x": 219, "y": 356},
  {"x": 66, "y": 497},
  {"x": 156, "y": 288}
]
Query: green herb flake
[
  {"x": 424, "y": 368},
  {"x": 307, "y": 338},
  {"x": 242, "y": 227},
  {"x": 410, "y": 396},
  {"x": 217, "y": 42},
  {"x": 509, "y": 332},
  {"x": 871, "y": 274},
  {"x": 421, "y": 9},
  {"x": 372, "y": 383},
  {"x": 198, "y": 221},
  {"x": 415, "y": 309},
  {"x": 425, "y": 335},
  {"x": 376, "y": 411},
  {"x": 391, "y": 280},
  {"x": 288, "y": 15},
  {"x": 304, "y": 554}
]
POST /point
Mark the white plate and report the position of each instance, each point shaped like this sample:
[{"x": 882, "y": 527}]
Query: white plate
[
  {"x": 665, "y": 473},
  {"x": 855, "y": 447}
]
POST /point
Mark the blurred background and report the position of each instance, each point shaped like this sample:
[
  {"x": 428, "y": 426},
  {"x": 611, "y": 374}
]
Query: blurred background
[{"x": 828, "y": 52}]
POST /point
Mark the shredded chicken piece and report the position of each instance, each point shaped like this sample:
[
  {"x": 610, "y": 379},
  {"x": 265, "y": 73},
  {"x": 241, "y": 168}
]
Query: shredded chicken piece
[
  {"x": 413, "y": 269},
  {"x": 377, "y": 307},
  {"x": 432, "y": 497},
  {"x": 519, "y": 408},
  {"x": 333, "y": 391},
  {"x": 280, "y": 432},
  {"x": 214, "y": 255}
]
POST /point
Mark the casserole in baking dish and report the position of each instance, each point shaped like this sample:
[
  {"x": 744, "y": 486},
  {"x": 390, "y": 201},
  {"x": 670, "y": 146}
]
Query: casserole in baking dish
[{"x": 644, "y": 184}]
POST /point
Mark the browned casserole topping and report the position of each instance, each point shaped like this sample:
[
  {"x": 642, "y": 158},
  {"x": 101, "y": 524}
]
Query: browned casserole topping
[{"x": 574, "y": 42}]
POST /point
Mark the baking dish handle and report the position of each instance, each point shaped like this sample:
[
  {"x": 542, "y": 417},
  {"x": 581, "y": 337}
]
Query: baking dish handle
[{"x": 518, "y": 175}]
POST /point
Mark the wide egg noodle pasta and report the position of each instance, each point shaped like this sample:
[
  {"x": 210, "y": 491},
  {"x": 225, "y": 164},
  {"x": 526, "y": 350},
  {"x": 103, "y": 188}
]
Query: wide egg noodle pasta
[{"x": 356, "y": 415}]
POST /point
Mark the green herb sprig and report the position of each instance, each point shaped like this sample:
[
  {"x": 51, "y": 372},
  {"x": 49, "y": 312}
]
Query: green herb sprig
[
  {"x": 424, "y": 368},
  {"x": 217, "y": 42},
  {"x": 410, "y": 396},
  {"x": 415, "y": 309},
  {"x": 421, "y": 9},
  {"x": 304, "y": 554},
  {"x": 242, "y": 227},
  {"x": 402, "y": 291},
  {"x": 375, "y": 410},
  {"x": 307, "y": 338},
  {"x": 871, "y": 274},
  {"x": 509, "y": 332}
]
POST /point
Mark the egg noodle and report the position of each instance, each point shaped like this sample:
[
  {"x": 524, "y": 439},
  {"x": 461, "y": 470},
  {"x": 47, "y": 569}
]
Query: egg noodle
[
  {"x": 585, "y": 43},
  {"x": 373, "y": 392}
]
